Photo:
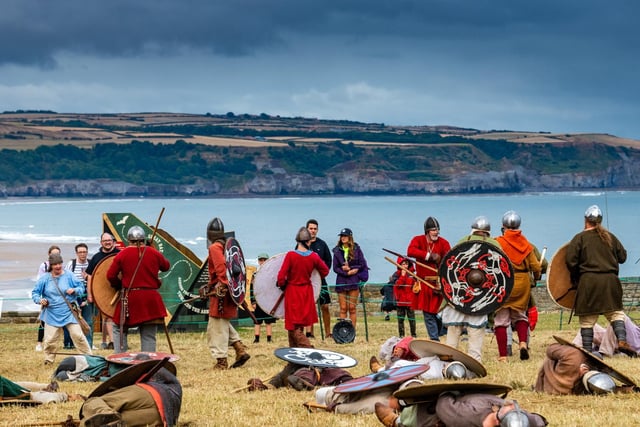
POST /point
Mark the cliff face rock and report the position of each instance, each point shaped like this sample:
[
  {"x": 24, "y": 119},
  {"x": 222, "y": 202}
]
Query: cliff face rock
[{"x": 624, "y": 175}]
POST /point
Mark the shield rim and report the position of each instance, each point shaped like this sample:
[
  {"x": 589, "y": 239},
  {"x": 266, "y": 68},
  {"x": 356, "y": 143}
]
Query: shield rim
[
  {"x": 488, "y": 308},
  {"x": 336, "y": 328},
  {"x": 559, "y": 280},
  {"x": 282, "y": 351},
  {"x": 600, "y": 364},
  {"x": 242, "y": 284},
  {"x": 425, "y": 347},
  {"x": 154, "y": 355},
  {"x": 99, "y": 281},
  {"x": 429, "y": 392},
  {"x": 401, "y": 374}
]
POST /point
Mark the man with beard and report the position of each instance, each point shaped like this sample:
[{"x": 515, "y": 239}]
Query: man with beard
[
  {"x": 107, "y": 247},
  {"x": 320, "y": 247},
  {"x": 428, "y": 249}
]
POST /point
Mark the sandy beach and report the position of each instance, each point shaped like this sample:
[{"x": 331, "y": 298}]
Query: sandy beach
[{"x": 19, "y": 260}]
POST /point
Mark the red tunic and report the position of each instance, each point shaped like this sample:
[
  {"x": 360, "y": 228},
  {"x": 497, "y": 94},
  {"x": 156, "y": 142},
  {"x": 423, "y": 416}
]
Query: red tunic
[
  {"x": 427, "y": 300},
  {"x": 403, "y": 290},
  {"x": 145, "y": 302},
  {"x": 218, "y": 273},
  {"x": 299, "y": 301}
]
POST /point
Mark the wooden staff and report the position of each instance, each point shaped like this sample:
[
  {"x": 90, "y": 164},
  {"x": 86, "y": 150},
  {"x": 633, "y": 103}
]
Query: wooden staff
[
  {"x": 435, "y": 270},
  {"x": 243, "y": 306},
  {"x": 412, "y": 274}
]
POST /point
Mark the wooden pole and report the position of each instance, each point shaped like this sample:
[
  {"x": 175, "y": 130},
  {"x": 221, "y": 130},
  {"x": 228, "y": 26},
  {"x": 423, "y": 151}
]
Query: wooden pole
[{"x": 412, "y": 274}]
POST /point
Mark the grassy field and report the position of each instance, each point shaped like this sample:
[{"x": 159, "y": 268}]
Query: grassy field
[{"x": 210, "y": 397}]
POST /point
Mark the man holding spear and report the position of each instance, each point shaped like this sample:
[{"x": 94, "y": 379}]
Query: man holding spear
[{"x": 428, "y": 249}]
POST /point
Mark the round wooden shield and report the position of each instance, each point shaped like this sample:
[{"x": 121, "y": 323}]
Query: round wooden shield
[
  {"x": 104, "y": 295},
  {"x": 476, "y": 277},
  {"x": 139, "y": 357},
  {"x": 315, "y": 357},
  {"x": 268, "y": 296},
  {"x": 251, "y": 270},
  {"x": 425, "y": 348},
  {"x": 381, "y": 379},
  {"x": 559, "y": 285},
  {"x": 599, "y": 364},
  {"x": 236, "y": 270},
  {"x": 429, "y": 392}
]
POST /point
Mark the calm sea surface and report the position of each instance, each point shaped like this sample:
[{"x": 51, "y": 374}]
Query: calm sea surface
[{"x": 270, "y": 224}]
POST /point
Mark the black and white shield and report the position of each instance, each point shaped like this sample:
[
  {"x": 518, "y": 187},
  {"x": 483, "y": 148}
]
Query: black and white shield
[
  {"x": 315, "y": 357},
  {"x": 236, "y": 270},
  {"x": 476, "y": 277}
]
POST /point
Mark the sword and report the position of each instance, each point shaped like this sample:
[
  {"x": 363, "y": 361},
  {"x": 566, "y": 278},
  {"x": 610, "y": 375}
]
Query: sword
[{"x": 411, "y": 259}]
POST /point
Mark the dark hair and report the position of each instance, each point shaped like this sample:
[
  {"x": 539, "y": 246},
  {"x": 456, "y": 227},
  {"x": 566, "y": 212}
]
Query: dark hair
[
  {"x": 81, "y": 245},
  {"x": 312, "y": 221}
]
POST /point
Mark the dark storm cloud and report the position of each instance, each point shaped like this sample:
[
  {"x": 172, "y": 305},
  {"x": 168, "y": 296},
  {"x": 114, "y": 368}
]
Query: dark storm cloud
[{"x": 40, "y": 29}]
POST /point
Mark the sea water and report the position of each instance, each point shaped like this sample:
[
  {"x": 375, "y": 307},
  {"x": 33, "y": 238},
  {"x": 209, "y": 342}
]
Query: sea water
[{"x": 270, "y": 224}]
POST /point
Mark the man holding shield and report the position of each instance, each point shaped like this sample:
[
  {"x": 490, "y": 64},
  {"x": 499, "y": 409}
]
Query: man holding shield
[
  {"x": 220, "y": 332},
  {"x": 294, "y": 279}
]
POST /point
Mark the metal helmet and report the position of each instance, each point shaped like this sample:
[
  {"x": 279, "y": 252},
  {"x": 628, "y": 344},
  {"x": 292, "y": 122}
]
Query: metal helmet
[
  {"x": 303, "y": 235},
  {"x": 481, "y": 223},
  {"x": 136, "y": 234},
  {"x": 455, "y": 371},
  {"x": 215, "y": 229},
  {"x": 593, "y": 214},
  {"x": 597, "y": 382},
  {"x": 431, "y": 223},
  {"x": 514, "y": 418},
  {"x": 511, "y": 220}
]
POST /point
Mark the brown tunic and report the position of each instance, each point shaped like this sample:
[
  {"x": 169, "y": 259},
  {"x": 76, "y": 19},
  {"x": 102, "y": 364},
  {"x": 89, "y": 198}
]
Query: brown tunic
[
  {"x": 560, "y": 370},
  {"x": 595, "y": 266}
]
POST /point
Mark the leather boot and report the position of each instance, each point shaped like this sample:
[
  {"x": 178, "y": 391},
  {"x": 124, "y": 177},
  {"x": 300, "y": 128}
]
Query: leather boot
[
  {"x": 400, "y": 327},
  {"x": 374, "y": 364},
  {"x": 412, "y": 327},
  {"x": 279, "y": 380},
  {"x": 386, "y": 415},
  {"x": 241, "y": 354},
  {"x": 299, "y": 384},
  {"x": 222, "y": 364},
  {"x": 621, "y": 336},
  {"x": 587, "y": 339}
]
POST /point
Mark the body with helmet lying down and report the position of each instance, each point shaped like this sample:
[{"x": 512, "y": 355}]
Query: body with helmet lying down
[
  {"x": 568, "y": 369},
  {"x": 455, "y": 409}
]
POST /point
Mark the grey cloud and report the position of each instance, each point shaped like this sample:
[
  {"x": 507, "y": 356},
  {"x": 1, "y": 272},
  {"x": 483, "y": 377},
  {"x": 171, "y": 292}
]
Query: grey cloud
[{"x": 39, "y": 29}]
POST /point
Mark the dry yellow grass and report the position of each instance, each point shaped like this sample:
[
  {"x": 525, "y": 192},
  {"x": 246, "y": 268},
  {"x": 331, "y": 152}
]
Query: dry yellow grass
[{"x": 209, "y": 398}]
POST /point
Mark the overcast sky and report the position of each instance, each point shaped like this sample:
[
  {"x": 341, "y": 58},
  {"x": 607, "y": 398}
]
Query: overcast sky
[{"x": 544, "y": 65}]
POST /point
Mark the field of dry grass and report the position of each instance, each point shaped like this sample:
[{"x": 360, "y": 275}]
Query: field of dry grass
[
  {"x": 210, "y": 400},
  {"x": 38, "y": 134}
]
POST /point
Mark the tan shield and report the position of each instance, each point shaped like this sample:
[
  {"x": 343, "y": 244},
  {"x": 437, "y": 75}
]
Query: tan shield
[
  {"x": 430, "y": 392},
  {"x": 104, "y": 295},
  {"x": 559, "y": 285},
  {"x": 600, "y": 365},
  {"x": 268, "y": 296},
  {"x": 427, "y": 348}
]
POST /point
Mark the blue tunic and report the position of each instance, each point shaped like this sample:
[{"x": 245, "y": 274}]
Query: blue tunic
[{"x": 57, "y": 313}]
